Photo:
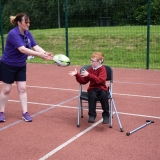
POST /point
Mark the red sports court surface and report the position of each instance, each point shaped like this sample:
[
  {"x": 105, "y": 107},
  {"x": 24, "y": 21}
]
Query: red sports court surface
[{"x": 53, "y": 134}]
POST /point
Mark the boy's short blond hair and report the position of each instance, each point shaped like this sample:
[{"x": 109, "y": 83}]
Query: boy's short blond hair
[{"x": 98, "y": 56}]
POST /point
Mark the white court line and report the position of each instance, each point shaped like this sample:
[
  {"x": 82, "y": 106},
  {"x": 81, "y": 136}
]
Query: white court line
[
  {"x": 72, "y": 107},
  {"x": 138, "y": 115},
  {"x": 113, "y": 93},
  {"x": 148, "y": 84},
  {"x": 69, "y": 141},
  {"x": 86, "y": 130},
  {"x": 137, "y": 83},
  {"x": 45, "y": 110},
  {"x": 132, "y": 95},
  {"x": 143, "y": 96},
  {"x": 83, "y": 132},
  {"x": 63, "y": 89}
]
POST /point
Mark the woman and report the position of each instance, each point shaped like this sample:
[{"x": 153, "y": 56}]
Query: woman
[{"x": 19, "y": 44}]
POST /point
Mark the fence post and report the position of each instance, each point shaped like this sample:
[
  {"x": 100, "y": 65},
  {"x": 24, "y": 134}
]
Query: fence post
[
  {"x": 148, "y": 34},
  {"x": 59, "y": 20},
  {"x": 66, "y": 26},
  {"x": 1, "y": 27}
]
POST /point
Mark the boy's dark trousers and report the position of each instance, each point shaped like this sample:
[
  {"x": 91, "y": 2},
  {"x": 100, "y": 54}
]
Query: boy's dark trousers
[{"x": 95, "y": 95}]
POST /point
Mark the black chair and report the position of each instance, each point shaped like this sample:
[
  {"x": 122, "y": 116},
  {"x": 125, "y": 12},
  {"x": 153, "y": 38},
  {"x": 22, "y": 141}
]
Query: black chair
[{"x": 83, "y": 97}]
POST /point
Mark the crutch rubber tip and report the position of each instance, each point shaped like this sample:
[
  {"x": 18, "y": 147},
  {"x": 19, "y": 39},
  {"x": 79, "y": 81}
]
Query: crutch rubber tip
[
  {"x": 121, "y": 130},
  {"x": 149, "y": 121},
  {"x": 127, "y": 133}
]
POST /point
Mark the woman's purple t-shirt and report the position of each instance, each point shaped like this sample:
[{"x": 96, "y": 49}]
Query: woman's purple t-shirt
[{"x": 12, "y": 56}]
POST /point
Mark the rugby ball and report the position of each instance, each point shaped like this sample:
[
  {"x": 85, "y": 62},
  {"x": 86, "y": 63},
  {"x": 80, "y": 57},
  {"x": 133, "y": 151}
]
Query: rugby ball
[{"x": 61, "y": 60}]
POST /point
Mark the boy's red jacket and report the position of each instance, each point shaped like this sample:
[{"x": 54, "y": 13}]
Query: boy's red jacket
[{"x": 97, "y": 78}]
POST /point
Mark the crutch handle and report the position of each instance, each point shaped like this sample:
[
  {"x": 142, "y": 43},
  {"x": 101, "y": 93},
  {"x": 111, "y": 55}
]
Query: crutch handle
[
  {"x": 149, "y": 121},
  {"x": 128, "y": 133}
]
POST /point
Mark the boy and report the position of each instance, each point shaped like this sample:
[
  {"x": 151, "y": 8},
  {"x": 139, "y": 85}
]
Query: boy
[{"x": 97, "y": 89}]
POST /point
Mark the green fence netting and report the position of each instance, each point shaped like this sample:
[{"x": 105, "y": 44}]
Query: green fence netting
[{"x": 126, "y": 31}]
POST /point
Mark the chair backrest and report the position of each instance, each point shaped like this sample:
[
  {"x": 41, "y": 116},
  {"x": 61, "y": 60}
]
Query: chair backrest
[
  {"x": 85, "y": 67},
  {"x": 109, "y": 74},
  {"x": 108, "y": 70}
]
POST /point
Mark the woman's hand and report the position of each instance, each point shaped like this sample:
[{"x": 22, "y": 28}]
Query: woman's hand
[
  {"x": 73, "y": 73},
  {"x": 48, "y": 56}
]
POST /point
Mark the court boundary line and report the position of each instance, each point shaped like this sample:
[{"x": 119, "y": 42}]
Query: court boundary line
[
  {"x": 52, "y": 152},
  {"x": 45, "y": 110},
  {"x": 69, "y": 141},
  {"x": 121, "y": 94},
  {"x": 139, "y": 83},
  {"x": 121, "y": 82},
  {"x": 72, "y": 107},
  {"x": 84, "y": 131},
  {"x": 62, "y": 106},
  {"x": 77, "y": 135}
]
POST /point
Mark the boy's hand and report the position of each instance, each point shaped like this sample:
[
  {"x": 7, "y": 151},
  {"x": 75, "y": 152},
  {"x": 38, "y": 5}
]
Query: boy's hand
[
  {"x": 84, "y": 73},
  {"x": 73, "y": 73}
]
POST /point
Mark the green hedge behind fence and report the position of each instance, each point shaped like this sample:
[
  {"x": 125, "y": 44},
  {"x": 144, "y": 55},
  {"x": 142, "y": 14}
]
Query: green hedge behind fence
[{"x": 118, "y": 28}]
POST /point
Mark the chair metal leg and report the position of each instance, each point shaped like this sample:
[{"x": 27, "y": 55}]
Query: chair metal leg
[
  {"x": 112, "y": 101},
  {"x": 111, "y": 113},
  {"x": 81, "y": 109},
  {"x": 79, "y": 113}
]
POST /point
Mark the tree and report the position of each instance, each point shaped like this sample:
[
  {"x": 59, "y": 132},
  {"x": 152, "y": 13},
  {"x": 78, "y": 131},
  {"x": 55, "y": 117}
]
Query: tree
[
  {"x": 155, "y": 14},
  {"x": 44, "y": 13}
]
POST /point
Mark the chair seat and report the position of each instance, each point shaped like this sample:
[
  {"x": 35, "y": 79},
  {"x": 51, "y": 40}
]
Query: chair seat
[{"x": 84, "y": 96}]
